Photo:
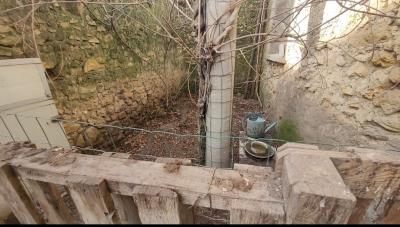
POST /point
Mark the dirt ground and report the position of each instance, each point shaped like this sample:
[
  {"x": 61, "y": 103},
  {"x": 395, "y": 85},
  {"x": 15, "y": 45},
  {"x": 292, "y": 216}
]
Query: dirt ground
[{"x": 182, "y": 119}]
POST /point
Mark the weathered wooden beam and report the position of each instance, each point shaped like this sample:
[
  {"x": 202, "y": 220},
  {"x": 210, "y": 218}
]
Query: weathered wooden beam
[
  {"x": 192, "y": 183},
  {"x": 93, "y": 200},
  {"x": 16, "y": 196},
  {"x": 126, "y": 208},
  {"x": 371, "y": 173},
  {"x": 254, "y": 212},
  {"x": 44, "y": 201},
  {"x": 5, "y": 210},
  {"x": 161, "y": 206},
  {"x": 314, "y": 192},
  {"x": 117, "y": 155}
]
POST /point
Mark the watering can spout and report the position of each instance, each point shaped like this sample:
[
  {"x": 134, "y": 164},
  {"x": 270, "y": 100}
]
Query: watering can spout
[{"x": 270, "y": 127}]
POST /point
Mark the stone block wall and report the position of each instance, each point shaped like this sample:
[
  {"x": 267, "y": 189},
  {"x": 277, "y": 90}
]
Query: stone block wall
[{"x": 93, "y": 75}]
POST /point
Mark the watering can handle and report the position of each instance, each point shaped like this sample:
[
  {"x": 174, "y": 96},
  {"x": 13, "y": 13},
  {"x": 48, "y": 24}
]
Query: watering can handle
[{"x": 244, "y": 121}]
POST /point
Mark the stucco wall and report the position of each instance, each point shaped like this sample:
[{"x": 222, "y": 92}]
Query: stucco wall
[{"x": 346, "y": 92}]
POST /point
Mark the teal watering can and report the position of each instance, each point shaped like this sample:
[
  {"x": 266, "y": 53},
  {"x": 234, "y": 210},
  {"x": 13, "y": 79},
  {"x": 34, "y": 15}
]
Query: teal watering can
[{"x": 256, "y": 125}]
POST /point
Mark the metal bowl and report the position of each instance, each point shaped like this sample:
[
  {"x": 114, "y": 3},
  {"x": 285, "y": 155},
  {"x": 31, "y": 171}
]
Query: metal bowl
[{"x": 249, "y": 148}]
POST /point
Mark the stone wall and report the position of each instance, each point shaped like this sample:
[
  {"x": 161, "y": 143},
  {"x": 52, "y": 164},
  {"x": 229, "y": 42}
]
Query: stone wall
[
  {"x": 347, "y": 92},
  {"x": 94, "y": 76}
]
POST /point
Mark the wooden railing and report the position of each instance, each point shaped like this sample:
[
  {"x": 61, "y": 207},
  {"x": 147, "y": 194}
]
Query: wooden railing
[{"x": 306, "y": 186}]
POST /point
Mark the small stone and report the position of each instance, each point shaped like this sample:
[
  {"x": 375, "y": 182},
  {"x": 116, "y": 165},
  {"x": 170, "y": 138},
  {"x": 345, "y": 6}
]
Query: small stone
[
  {"x": 389, "y": 101},
  {"x": 358, "y": 69},
  {"x": 10, "y": 41},
  {"x": 394, "y": 75},
  {"x": 108, "y": 38},
  {"x": 94, "y": 40},
  {"x": 93, "y": 65},
  {"x": 17, "y": 52},
  {"x": 347, "y": 90},
  {"x": 395, "y": 143},
  {"x": 374, "y": 135},
  {"x": 64, "y": 24},
  {"x": 92, "y": 23},
  {"x": 390, "y": 123},
  {"x": 5, "y": 51},
  {"x": 383, "y": 59},
  {"x": 388, "y": 46},
  {"x": 71, "y": 128},
  {"x": 73, "y": 37},
  {"x": 101, "y": 28},
  {"x": 73, "y": 21},
  {"x": 372, "y": 93},
  {"x": 340, "y": 61},
  {"x": 4, "y": 29},
  {"x": 91, "y": 135},
  {"x": 49, "y": 63},
  {"x": 321, "y": 45},
  {"x": 379, "y": 76}
]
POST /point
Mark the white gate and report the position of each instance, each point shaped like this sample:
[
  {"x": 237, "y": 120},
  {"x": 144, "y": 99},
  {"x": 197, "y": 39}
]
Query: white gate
[{"x": 26, "y": 105}]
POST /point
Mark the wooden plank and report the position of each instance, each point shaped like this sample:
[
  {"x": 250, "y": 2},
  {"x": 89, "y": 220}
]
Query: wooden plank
[
  {"x": 314, "y": 192},
  {"x": 108, "y": 154},
  {"x": 93, "y": 200},
  {"x": 160, "y": 206},
  {"x": 126, "y": 208},
  {"x": 359, "y": 211},
  {"x": 371, "y": 173},
  {"x": 5, "y": 210},
  {"x": 190, "y": 182},
  {"x": 67, "y": 212},
  {"x": 392, "y": 214},
  {"x": 370, "y": 211},
  {"x": 122, "y": 155},
  {"x": 255, "y": 212},
  {"x": 43, "y": 200},
  {"x": 16, "y": 196}
]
